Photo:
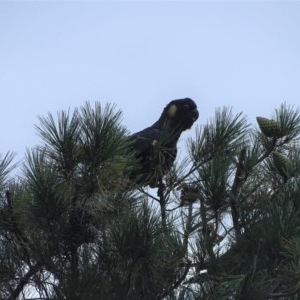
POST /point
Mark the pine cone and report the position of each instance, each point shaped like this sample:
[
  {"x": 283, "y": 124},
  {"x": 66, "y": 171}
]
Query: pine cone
[
  {"x": 188, "y": 195},
  {"x": 269, "y": 128},
  {"x": 283, "y": 164}
]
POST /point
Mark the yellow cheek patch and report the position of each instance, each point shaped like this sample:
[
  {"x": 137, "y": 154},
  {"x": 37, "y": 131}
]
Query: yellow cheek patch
[
  {"x": 154, "y": 143},
  {"x": 172, "y": 110}
]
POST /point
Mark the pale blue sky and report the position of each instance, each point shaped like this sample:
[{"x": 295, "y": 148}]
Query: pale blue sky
[{"x": 140, "y": 55}]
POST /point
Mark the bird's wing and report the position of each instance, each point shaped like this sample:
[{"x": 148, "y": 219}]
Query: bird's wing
[{"x": 144, "y": 140}]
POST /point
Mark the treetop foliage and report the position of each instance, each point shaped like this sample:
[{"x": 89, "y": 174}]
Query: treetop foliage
[{"x": 226, "y": 224}]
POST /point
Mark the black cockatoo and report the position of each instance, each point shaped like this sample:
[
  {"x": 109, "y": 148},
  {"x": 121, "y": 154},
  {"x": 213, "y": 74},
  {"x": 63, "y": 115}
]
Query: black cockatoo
[{"x": 155, "y": 146}]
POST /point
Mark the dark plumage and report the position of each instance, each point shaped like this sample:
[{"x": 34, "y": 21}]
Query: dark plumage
[{"x": 155, "y": 146}]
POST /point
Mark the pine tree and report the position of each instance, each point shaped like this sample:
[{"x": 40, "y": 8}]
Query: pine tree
[{"x": 226, "y": 225}]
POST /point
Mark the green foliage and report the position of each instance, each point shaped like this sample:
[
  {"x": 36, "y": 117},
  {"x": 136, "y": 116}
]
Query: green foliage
[{"x": 225, "y": 225}]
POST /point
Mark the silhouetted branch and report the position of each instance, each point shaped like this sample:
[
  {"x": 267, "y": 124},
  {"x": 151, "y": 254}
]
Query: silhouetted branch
[{"x": 25, "y": 280}]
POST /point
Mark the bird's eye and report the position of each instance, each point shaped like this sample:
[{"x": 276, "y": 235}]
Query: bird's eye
[{"x": 186, "y": 106}]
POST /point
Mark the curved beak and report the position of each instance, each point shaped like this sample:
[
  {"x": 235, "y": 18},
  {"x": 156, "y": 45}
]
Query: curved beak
[{"x": 194, "y": 114}]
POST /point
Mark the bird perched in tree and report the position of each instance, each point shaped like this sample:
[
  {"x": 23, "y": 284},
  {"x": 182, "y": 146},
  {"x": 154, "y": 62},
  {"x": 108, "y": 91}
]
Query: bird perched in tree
[{"x": 155, "y": 146}]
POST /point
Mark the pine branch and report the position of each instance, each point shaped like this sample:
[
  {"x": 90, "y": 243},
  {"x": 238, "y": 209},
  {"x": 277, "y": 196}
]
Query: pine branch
[
  {"x": 162, "y": 202},
  {"x": 25, "y": 280},
  {"x": 178, "y": 282},
  {"x": 15, "y": 229},
  {"x": 188, "y": 227}
]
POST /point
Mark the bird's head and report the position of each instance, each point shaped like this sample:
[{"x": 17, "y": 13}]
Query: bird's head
[{"x": 181, "y": 113}]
